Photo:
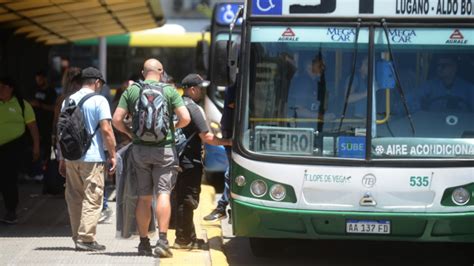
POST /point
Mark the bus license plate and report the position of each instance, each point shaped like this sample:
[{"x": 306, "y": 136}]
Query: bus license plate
[{"x": 368, "y": 227}]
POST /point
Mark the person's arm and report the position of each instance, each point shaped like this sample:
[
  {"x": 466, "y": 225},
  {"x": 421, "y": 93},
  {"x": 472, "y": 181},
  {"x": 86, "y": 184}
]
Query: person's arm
[
  {"x": 117, "y": 121},
  {"x": 199, "y": 120},
  {"x": 34, "y": 103},
  {"x": 183, "y": 116},
  {"x": 211, "y": 139},
  {"x": 57, "y": 110},
  {"x": 47, "y": 107},
  {"x": 30, "y": 122},
  {"x": 109, "y": 141},
  {"x": 356, "y": 96},
  {"x": 33, "y": 128}
]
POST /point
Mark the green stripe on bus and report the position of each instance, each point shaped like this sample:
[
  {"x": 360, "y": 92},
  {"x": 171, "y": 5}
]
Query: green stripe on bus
[{"x": 119, "y": 40}]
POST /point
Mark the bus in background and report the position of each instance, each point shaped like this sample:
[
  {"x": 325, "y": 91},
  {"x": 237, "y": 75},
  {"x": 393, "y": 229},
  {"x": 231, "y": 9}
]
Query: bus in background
[
  {"x": 354, "y": 121},
  {"x": 215, "y": 160},
  {"x": 171, "y": 44}
]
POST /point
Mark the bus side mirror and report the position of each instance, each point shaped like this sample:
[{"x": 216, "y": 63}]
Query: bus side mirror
[
  {"x": 220, "y": 71},
  {"x": 202, "y": 57}
]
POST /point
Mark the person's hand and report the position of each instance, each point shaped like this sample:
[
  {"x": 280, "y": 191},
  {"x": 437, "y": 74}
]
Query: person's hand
[
  {"x": 34, "y": 103},
  {"x": 112, "y": 164},
  {"x": 228, "y": 142},
  {"x": 36, "y": 153},
  {"x": 62, "y": 168}
]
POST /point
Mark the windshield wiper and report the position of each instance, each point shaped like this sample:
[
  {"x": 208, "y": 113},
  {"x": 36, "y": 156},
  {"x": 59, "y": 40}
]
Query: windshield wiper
[
  {"x": 395, "y": 70},
  {"x": 322, "y": 92},
  {"x": 351, "y": 79}
]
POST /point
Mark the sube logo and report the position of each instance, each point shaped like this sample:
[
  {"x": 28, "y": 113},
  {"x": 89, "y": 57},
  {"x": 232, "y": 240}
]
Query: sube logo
[
  {"x": 288, "y": 35},
  {"x": 456, "y": 38}
]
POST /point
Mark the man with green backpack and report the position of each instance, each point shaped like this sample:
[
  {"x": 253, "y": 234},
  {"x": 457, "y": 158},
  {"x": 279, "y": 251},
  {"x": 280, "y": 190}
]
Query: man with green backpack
[{"x": 152, "y": 104}]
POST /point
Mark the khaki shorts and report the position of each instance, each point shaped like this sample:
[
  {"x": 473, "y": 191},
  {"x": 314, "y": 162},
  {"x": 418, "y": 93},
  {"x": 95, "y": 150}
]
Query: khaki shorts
[{"x": 156, "y": 169}]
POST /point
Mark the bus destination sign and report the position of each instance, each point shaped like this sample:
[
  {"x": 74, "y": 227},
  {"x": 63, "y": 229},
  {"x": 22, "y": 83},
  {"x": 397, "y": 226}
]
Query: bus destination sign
[
  {"x": 364, "y": 8},
  {"x": 282, "y": 140}
]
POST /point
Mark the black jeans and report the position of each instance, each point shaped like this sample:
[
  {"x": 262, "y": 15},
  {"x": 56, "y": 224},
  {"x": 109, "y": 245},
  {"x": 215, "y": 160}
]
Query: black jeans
[
  {"x": 10, "y": 162},
  {"x": 188, "y": 188}
]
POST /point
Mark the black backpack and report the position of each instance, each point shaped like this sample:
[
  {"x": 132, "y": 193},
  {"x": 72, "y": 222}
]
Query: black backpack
[
  {"x": 180, "y": 139},
  {"x": 151, "y": 119},
  {"x": 73, "y": 137}
]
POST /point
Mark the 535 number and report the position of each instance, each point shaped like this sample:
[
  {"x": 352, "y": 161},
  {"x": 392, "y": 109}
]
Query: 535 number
[{"x": 419, "y": 181}]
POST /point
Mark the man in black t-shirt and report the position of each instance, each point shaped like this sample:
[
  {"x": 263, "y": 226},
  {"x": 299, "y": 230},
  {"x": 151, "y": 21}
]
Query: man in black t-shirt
[
  {"x": 188, "y": 186},
  {"x": 43, "y": 104}
]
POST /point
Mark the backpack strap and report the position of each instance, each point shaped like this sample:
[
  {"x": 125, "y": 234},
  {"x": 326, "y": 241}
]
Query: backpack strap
[
  {"x": 140, "y": 84},
  {"x": 85, "y": 98},
  {"x": 187, "y": 101},
  {"x": 81, "y": 102},
  {"x": 186, "y": 143}
]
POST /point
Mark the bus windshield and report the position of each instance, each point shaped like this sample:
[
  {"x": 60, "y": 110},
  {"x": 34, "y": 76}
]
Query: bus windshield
[
  {"x": 307, "y": 96},
  {"x": 435, "y": 67}
]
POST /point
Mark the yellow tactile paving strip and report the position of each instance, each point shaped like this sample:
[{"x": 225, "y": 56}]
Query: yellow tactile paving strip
[{"x": 210, "y": 230}]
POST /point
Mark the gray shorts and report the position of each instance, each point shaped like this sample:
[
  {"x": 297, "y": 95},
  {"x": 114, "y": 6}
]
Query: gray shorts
[{"x": 156, "y": 169}]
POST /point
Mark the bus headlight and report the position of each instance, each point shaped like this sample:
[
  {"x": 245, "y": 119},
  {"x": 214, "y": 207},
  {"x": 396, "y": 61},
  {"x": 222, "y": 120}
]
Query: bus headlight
[
  {"x": 258, "y": 188},
  {"x": 461, "y": 196},
  {"x": 240, "y": 180},
  {"x": 277, "y": 192}
]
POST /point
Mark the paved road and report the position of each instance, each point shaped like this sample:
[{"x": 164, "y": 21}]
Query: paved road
[
  {"x": 350, "y": 253},
  {"x": 43, "y": 237}
]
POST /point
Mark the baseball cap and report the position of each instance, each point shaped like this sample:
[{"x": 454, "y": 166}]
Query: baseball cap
[
  {"x": 194, "y": 80},
  {"x": 92, "y": 73}
]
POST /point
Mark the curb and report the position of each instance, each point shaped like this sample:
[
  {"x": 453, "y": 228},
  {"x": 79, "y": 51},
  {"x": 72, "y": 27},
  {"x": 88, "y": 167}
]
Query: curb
[
  {"x": 212, "y": 229},
  {"x": 209, "y": 231}
]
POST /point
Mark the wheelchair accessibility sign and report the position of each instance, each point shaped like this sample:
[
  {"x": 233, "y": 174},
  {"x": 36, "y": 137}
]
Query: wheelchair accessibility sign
[
  {"x": 267, "y": 7},
  {"x": 226, "y": 13}
]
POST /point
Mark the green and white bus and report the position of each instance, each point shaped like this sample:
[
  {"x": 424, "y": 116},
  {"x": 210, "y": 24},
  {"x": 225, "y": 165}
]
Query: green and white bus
[{"x": 355, "y": 120}]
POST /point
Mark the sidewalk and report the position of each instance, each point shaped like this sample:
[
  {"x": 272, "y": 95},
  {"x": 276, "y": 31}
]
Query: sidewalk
[{"x": 42, "y": 236}]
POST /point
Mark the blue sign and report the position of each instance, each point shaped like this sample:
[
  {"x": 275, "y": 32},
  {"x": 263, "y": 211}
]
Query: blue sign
[
  {"x": 351, "y": 147},
  {"x": 226, "y": 13},
  {"x": 384, "y": 75},
  {"x": 267, "y": 7}
]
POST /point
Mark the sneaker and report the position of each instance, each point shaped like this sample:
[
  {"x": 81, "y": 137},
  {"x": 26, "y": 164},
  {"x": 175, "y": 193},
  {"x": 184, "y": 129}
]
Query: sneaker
[
  {"x": 162, "y": 249},
  {"x": 193, "y": 244},
  {"x": 144, "y": 248},
  {"x": 10, "y": 218},
  {"x": 216, "y": 214},
  {"x": 89, "y": 246},
  {"x": 105, "y": 215}
]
